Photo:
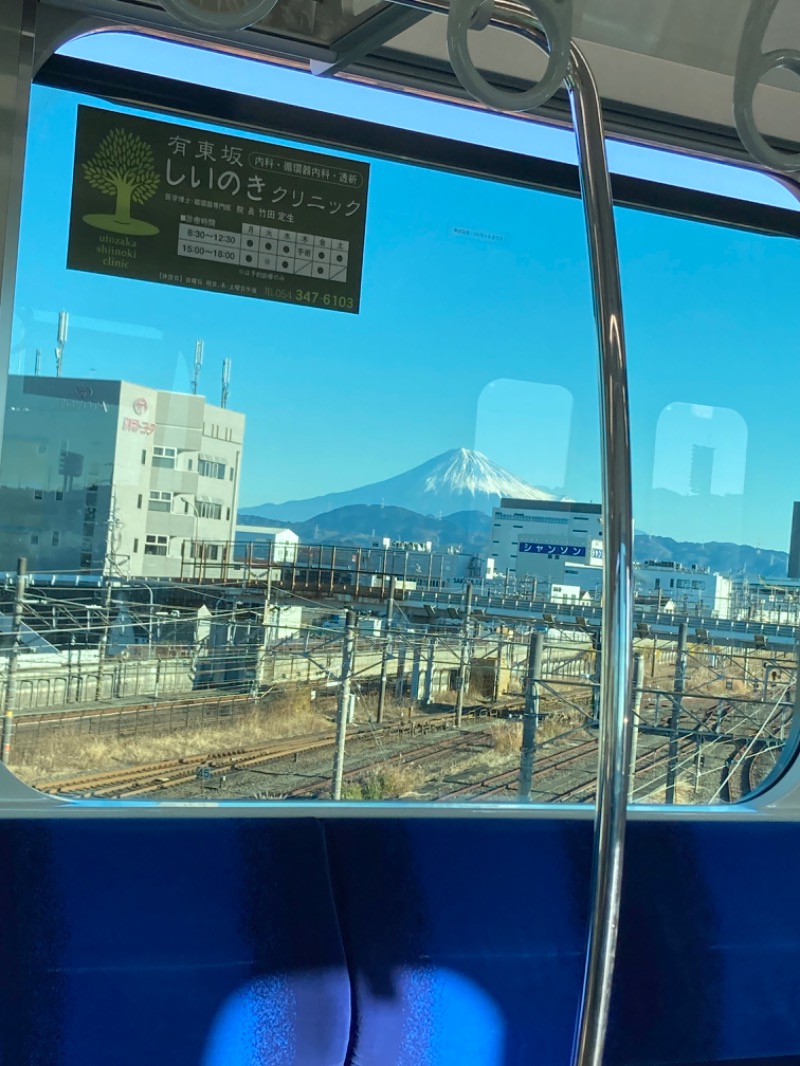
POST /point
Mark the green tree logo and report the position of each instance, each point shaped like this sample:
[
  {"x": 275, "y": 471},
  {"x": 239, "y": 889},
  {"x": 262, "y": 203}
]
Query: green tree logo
[{"x": 123, "y": 166}]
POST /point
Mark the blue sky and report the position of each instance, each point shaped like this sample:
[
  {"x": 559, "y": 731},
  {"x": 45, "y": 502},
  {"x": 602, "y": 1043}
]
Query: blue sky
[{"x": 481, "y": 339}]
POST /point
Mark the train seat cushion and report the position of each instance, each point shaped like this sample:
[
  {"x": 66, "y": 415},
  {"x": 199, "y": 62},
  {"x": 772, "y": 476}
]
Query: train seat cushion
[
  {"x": 465, "y": 939},
  {"x": 183, "y": 942}
]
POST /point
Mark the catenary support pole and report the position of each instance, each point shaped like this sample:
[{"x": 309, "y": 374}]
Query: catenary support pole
[
  {"x": 498, "y": 674},
  {"x": 675, "y": 717},
  {"x": 463, "y": 663},
  {"x": 430, "y": 672},
  {"x": 103, "y": 644},
  {"x": 530, "y": 718},
  {"x": 348, "y": 650},
  {"x": 13, "y": 660},
  {"x": 400, "y": 676},
  {"x": 387, "y": 648},
  {"x": 638, "y": 686},
  {"x": 416, "y": 671}
]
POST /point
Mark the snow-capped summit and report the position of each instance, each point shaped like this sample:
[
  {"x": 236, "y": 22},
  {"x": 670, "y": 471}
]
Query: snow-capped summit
[
  {"x": 464, "y": 471},
  {"x": 458, "y": 480}
]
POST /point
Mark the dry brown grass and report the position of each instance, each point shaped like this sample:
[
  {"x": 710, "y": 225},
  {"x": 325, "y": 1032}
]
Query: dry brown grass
[
  {"x": 559, "y": 722},
  {"x": 286, "y": 715},
  {"x": 506, "y": 737},
  {"x": 386, "y": 781},
  {"x": 684, "y": 793}
]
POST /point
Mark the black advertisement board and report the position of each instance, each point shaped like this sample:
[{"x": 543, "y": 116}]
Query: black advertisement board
[{"x": 178, "y": 205}]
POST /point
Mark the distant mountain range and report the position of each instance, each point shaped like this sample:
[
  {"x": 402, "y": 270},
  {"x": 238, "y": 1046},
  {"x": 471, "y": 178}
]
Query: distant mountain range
[
  {"x": 449, "y": 499},
  {"x": 458, "y": 480},
  {"x": 717, "y": 556},
  {"x": 361, "y": 526}
]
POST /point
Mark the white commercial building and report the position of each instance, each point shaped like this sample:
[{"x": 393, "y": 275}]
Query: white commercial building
[
  {"x": 689, "y": 589},
  {"x": 263, "y": 544},
  {"x": 536, "y": 544},
  {"x": 115, "y": 478}
]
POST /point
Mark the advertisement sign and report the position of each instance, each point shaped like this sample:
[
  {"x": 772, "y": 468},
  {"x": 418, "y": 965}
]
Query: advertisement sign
[{"x": 178, "y": 205}]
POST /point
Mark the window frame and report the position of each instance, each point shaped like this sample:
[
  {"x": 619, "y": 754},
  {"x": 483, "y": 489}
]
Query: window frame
[{"x": 190, "y": 102}]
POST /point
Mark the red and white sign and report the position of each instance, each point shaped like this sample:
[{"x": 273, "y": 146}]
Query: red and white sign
[
  {"x": 140, "y": 405},
  {"x": 133, "y": 425}
]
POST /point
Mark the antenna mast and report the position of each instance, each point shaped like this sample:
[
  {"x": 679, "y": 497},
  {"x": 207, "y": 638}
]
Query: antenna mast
[
  {"x": 198, "y": 362},
  {"x": 61, "y": 339},
  {"x": 226, "y": 382}
]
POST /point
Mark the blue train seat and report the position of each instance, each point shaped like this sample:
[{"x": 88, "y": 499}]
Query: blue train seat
[
  {"x": 126, "y": 942},
  {"x": 388, "y": 942}
]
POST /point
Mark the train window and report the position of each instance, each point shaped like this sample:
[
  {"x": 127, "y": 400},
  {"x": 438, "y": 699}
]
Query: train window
[
  {"x": 708, "y": 335},
  {"x": 395, "y": 363}
]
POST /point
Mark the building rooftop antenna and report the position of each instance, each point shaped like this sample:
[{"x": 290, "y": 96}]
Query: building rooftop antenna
[
  {"x": 61, "y": 339},
  {"x": 226, "y": 382},
  {"x": 198, "y": 362}
]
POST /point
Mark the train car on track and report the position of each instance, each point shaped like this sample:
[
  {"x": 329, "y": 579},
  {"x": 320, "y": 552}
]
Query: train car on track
[{"x": 273, "y": 250}]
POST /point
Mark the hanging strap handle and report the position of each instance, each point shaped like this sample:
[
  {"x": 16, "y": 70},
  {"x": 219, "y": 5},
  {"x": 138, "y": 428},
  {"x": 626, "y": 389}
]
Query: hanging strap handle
[
  {"x": 751, "y": 66},
  {"x": 555, "y": 19}
]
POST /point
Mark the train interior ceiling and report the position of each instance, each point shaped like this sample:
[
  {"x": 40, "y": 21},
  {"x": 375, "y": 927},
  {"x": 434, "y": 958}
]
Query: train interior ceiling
[{"x": 478, "y": 744}]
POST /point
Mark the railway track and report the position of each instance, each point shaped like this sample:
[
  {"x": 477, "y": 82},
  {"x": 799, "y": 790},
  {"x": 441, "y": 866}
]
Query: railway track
[
  {"x": 645, "y": 762},
  {"x": 169, "y": 773},
  {"x": 151, "y": 777},
  {"x": 495, "y": 784},
  {"x": 505, "y": 782},
  {"x": 475, "y": 737},
  {"x": 76, "y": 711}
]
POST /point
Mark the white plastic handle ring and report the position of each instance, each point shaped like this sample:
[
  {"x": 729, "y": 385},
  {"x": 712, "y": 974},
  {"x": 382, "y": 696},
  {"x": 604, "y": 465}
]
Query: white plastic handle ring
[
  {"x": 555, "y": 18},
  {"x": 751, "y": 66}
]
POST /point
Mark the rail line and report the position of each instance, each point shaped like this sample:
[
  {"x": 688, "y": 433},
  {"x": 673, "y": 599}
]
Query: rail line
[
  {"x": 414, "y": 755},
  {"x": 500, "y": 782},
  {"x": 169, "y": 773},
  {"x": 135, "y": 780}
]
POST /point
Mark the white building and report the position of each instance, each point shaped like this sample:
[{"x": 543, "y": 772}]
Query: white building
[
  {"x": 690, "y": 589},
  {"x": 542, "y": 543},
  {"x": 108, "y": 476},
  {"x": 265, "y": 544}
]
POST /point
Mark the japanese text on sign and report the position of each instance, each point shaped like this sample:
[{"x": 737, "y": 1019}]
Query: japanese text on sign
[
  {"x": 553, "y": 549},
  {"x": 182, "y": 206}
]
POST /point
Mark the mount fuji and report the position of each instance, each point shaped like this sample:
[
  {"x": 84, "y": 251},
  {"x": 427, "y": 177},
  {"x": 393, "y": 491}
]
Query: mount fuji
[{"x": 458, "y": 480}]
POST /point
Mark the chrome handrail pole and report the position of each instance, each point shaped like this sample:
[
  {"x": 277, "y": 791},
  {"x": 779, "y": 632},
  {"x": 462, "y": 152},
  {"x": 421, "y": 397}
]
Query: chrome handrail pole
[
  {"x": 617, "y": 618},
  {"x": 616, "y": 717}
]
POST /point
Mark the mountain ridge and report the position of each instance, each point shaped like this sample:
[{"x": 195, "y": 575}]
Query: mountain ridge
[
  {"x": 457, "y": 480},
  {"x": 362, "y": 525}
]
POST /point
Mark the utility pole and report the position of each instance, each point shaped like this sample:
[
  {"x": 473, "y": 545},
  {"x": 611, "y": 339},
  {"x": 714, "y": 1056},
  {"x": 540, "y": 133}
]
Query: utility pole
[
  {"x": 13, "y": 658},
  {"x": 463, "y": 665},
  {"x": 387, "y": 650},
  {"x": 342, "y": 710},
  {"x": 638, "y": 685},
  {"x": 37, "y": 364},
  {"x": 101, "y": 647},
  {"x": 674, "y": 723},
  {"x": 530, "y": 717}
]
